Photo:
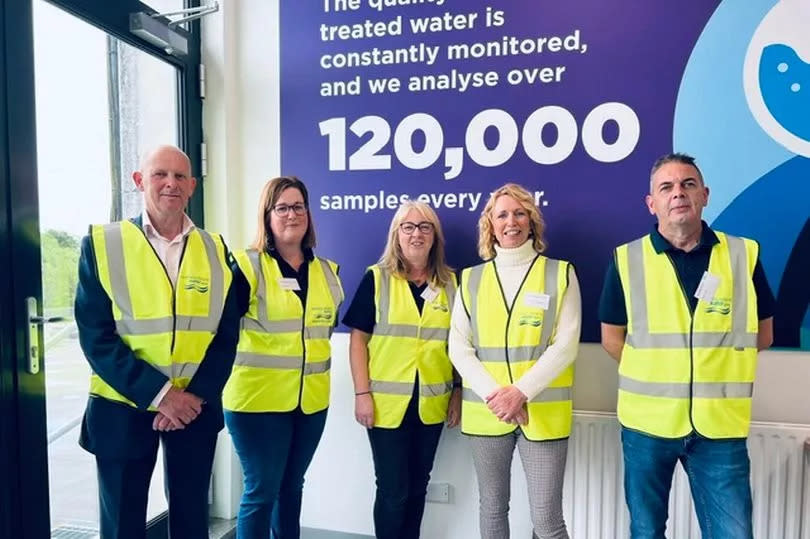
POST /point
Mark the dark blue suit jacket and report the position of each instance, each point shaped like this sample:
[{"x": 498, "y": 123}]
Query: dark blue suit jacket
[{"x": 116, "y": 430}]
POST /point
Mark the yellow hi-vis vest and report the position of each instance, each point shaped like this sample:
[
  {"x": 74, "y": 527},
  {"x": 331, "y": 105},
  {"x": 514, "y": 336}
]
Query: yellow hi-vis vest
[
  {"x": 509, "y": 340},
  {"x": 403, "y": 343},
  {"x": 283, "y": 357},
  {"x": 680, "y": 372},
  {"x": 168, "y": 327}
]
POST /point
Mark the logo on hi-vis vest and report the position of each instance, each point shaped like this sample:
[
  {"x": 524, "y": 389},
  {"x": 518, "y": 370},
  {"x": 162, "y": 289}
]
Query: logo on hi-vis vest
[
  {"x": 198, "y": 284},
  {"x": 322, "y": 314},
  {"x": 530, "y": 320},
  {"x": 439, "y": 306},
  {"x": 719, "y": 306}
]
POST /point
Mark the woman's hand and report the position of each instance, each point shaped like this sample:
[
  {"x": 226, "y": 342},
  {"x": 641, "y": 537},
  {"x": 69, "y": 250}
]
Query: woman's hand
[
  {"x": 364, "y": 409},
  {"x": 454, "y": 408},
  {"x": 507, "y": 404}
]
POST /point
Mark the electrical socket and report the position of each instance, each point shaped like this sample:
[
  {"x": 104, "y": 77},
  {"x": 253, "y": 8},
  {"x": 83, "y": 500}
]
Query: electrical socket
[{"x": 438, "y": 492}]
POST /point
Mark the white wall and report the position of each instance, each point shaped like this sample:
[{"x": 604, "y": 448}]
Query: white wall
[
  {"x": 240, "y": 50},
  {"x": 340, "y": 485}
]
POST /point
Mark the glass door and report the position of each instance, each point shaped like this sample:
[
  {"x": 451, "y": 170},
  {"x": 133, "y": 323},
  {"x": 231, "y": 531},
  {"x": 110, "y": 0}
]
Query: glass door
[
  {"x": 99, "y": 104},
  {"x": 81, "y": 101}
]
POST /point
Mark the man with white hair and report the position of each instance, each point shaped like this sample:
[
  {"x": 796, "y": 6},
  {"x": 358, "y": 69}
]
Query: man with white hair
[{"x": 159, "y": 327}]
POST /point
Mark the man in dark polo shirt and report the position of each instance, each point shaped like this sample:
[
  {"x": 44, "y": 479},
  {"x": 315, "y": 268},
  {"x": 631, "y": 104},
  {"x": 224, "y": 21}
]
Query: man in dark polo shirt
[{"x": 684, "y": 310}]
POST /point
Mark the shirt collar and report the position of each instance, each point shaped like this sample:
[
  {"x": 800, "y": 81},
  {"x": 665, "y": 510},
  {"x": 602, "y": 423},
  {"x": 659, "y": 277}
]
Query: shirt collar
[
  {"x": 707, "y": 240},
  {"x": 149, "y": 228}
]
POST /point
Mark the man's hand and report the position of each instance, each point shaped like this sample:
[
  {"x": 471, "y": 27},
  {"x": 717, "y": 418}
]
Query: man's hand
[
  {"x": 364, "y": 409},
  {"x": 163, "y": 423},
  {"x": 179, "y": 407},
  {"x": 506, "y": 402},
  {"x": 454, "y": 408}
]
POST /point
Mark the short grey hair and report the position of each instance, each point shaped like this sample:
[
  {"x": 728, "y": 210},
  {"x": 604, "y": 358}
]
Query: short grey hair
[{"x": 675, "y": 157}]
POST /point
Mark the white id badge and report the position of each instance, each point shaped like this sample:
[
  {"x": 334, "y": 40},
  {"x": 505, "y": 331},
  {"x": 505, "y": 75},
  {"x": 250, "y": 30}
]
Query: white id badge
[
  {"x": 707, "y": 287},
  {"x": 536, "y": 300},
  {"x": 429, "y": 293},
  {"x": 288, "y": 283}
]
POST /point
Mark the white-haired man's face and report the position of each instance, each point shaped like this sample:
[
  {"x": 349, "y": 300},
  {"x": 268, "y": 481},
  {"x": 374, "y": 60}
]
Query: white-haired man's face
[{"x": 166, "y": 182}]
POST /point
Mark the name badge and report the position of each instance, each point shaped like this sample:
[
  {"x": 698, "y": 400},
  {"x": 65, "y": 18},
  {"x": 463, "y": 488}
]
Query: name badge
[
  {"x": 429, "y": 293},
  {"x": 536, "y": 300},
  {"x": 707, "y": 287},
  {"x": 288, "y": 283}
]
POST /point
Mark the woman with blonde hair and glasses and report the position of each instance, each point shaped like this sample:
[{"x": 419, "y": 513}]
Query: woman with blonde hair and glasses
[
  {"x": 514, "y": 337},
  {"x": 403, "y": 380},
  {"x": 277, "y": 396}
]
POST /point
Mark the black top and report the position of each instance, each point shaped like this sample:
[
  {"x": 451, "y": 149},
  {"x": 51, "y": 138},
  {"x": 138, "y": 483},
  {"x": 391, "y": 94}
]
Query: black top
[
  {"x": 362, "y": 311},
  {"x": 689, "y": 267},
  {"x": 242, "y": 286}
]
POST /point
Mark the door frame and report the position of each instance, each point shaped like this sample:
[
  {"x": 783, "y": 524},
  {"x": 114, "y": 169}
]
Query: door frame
[{"x": 24, "y": 507}]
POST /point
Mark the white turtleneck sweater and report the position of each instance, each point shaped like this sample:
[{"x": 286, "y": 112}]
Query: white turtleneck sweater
[{"x": 512, "y": 266}]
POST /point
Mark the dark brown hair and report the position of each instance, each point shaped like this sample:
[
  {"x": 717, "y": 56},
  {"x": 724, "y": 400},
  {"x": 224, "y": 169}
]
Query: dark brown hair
[{"x": 270, "y": 193}]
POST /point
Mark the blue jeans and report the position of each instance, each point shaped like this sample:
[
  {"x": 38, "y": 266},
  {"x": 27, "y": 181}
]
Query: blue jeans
[
  {"x": 719, "y": 477},
  {"x": 275, "y": 449}
]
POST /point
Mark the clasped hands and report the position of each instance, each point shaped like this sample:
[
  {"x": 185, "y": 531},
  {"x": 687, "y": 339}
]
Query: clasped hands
[
  {"x": 177, "y": 409},
  {"x": 508, "y": 405}
]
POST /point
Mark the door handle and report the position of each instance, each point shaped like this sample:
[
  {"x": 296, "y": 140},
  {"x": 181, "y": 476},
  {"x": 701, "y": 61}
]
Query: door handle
[
  {"x": 35, "y": 323},
  {"x": 40, "y": 320}
]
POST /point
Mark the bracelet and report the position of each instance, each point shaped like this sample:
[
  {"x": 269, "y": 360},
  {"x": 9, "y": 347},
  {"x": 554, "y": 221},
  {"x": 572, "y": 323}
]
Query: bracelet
[{"x": 357, "y": 394}]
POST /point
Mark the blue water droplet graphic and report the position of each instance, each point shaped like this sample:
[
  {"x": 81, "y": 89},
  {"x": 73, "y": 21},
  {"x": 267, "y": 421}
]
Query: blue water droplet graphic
[{"x": 782, "y": 96}]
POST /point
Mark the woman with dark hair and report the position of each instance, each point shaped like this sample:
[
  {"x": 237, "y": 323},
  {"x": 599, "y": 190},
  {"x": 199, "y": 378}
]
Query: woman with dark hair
[{"x": 276, "y": 398}]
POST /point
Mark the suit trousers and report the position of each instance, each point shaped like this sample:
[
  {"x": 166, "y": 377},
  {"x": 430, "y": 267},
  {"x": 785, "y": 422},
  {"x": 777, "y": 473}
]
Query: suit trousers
[{"x": 123, "y": 486}]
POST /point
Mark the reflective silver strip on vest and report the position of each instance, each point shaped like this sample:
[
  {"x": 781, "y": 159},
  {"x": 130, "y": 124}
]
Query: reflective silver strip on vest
[
  {"x": 334, "y": 289},
  {"x": 450, "y": 290},
  {"x": 184, "y": 370},
  {"x": 216, "y": 292},
  {"x": 473, "y": 284},
  {"x": 435, "y": 390},
  {"x": 704, "y": 339},
  {"x": 128, "y": 325},
  {"x": 149, "y": 326},
  {"x": 272, "y": 326},
  {"x": 331, "y": 281},
  {"x": 552, "y": 274},
  {"x": 683, "y": 390},
  {"x": 248, "y": 359},
  {"x": 317, "y": 332},
  {"x": 264, "y": 324},
  {"x": 641, "y": 338},
  {"x": 740, "y": 298},
  {"x": 318, "y": 367},
  {"x": 406, "y": 388},
  {"x": 385, "y": 329},
  {"x": 516, "y": 353},
  {"x": 393, "y": 388},
  {"x": 550, "y": 394}
]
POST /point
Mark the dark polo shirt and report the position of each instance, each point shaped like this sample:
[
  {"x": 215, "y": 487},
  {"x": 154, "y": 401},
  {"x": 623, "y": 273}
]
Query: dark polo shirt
[{"x": 689, "y": 266}]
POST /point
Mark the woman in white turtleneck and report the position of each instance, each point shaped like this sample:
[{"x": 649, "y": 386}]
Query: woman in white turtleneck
[{"x": 513, "y": 339}]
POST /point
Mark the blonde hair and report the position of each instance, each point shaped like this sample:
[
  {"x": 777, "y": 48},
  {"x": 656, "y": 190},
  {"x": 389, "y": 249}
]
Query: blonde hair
[
  {"x": 270, "y": 193},
  {"x": 392, "y": 259},
  {"x": 486, "y": 235}
]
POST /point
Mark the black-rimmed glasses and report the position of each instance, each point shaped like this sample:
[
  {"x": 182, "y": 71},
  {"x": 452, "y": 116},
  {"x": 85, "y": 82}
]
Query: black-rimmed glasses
[
  {"x": 282, "y": 210},
  {"x": 425, "y": 227}
]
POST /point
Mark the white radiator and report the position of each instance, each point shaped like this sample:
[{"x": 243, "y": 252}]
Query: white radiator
[{"x": 593, "y": 497}]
